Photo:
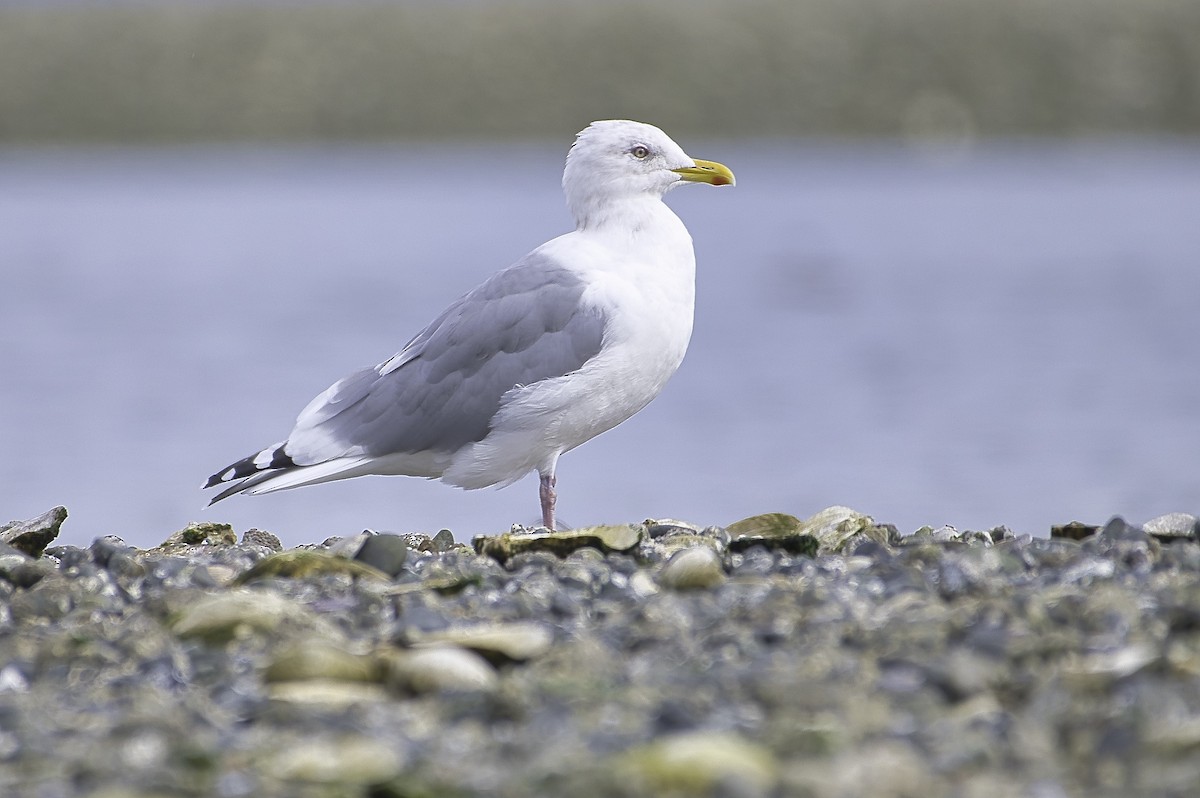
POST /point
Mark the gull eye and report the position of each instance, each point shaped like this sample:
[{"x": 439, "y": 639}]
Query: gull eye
[{"x": 641, "y": 152}]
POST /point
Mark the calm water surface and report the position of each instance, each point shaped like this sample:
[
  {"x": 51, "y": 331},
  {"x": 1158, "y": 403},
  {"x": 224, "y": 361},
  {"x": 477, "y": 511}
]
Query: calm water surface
[{"x": 1011, "y": 338}]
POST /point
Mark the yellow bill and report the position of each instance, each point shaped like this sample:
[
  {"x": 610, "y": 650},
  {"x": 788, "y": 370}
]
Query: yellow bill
[{"x": 710, "y": 172}]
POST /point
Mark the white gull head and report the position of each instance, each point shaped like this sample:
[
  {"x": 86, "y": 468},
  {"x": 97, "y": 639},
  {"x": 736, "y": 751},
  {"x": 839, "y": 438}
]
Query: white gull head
[{"x": 617, "y": 161}]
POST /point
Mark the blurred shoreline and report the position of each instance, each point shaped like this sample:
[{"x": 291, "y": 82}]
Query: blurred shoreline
[{"x": 928, "y": 70}]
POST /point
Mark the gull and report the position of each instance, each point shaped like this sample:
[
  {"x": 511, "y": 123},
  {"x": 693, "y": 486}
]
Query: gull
[{"x": 567, "y": 343}]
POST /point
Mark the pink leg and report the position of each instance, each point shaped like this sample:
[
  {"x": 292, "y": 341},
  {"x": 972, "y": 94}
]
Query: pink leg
[{"x": 548, "y": 497}]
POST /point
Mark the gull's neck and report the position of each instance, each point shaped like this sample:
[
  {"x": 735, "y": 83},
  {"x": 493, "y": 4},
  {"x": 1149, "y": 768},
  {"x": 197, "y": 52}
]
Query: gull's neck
[{"x": 624, "y": 215}]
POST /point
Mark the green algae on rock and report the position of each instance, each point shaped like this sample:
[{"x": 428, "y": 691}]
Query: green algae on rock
[
  {"x": 618, "y": 538},
  {"x": 1075, "y": 530},
  {"x": 202, "y": 533},
  {"x": 773, "y": 530},
  {"x": 303, "y": 563}
]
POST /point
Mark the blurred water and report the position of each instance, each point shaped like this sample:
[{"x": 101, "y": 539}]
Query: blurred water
[{"x": 1007, "y": 338}]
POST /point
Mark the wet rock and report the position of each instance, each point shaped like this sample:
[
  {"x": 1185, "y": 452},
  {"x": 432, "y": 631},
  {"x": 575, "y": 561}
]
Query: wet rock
[
  {"x": 698, "y": 567},
  {"x": 33, "y": 536},
  {"x": 829, "y": 531},
  {"x": 834, "y": 526},
  {"x": 775, "y": 531},
  {"x": 665, "y": 538},
  {"x": 302, "y": 564},
  {"x": 606, "y": 538}
]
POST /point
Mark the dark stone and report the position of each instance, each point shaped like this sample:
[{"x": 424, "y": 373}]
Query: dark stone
[
  {"x": 28, "y": 574},
  {"x": 1075, "y": 530},
  {"x": 386, "y": 552},
  {"x": 34, "y": 535},
  {"x": 1001, "y": 533},
  {"x": 69, "y": 556}
]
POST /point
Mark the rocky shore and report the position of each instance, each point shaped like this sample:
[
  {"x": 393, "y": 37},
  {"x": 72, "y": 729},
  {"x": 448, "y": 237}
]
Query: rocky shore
[{"x": 826, "y": 658}]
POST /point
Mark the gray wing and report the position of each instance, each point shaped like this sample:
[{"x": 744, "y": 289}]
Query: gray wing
[{"x": 523, "y": 325}]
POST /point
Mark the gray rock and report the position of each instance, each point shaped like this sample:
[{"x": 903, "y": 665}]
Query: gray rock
[
  {"x": 26, "y": 574},
  {"x": 11, "y": 559},
  {"x": 33, "y": 536},
  {"x": 259, "y": 537},
  {"x": 1174, "y": 526},
  {"x": 386, "y": 553}
]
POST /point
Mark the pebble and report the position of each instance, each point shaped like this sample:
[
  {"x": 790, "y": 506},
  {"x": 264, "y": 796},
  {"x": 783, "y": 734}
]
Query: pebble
[
  {"x": 693, "y": 568},
  {"x": 701, "y": 763},
  {"x": 440, "y": 668},
  {"x": 497, "y": 642}
]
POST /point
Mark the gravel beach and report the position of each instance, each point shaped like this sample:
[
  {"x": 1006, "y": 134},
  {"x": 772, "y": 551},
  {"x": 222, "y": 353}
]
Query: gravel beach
[{"x": 825, "y": 657}]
